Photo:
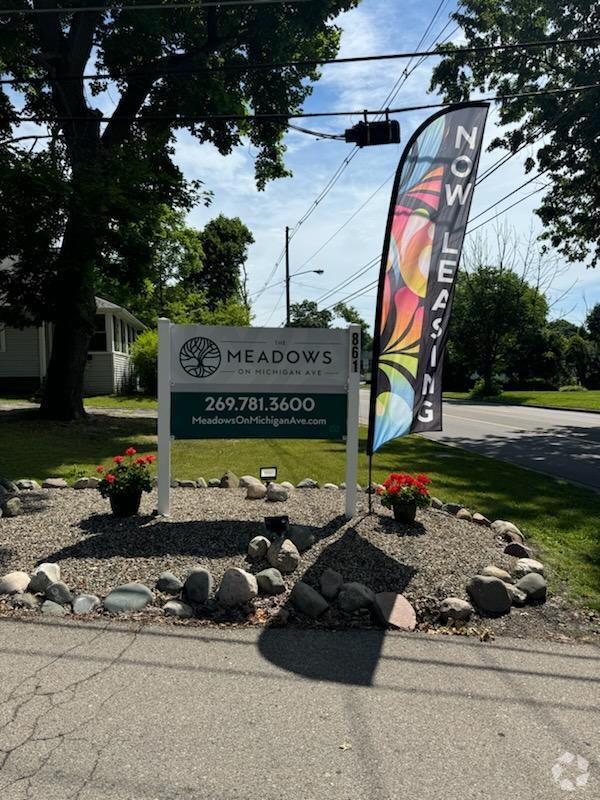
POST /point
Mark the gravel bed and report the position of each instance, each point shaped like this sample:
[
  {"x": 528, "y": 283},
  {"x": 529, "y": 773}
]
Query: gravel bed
[{"x": 426, "y": 561}]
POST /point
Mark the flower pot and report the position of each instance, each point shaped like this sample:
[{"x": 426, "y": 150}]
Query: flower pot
[
  {"x": 125, "y": 505},
  {"x": 405, "y": 512}
]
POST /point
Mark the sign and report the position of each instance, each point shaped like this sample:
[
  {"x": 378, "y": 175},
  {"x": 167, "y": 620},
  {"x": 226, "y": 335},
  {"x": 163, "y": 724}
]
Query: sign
[{"x": 218, "y": 382}]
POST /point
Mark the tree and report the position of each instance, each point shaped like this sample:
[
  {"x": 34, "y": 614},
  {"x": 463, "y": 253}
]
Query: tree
[
  {"x": 307, "y": 315},
  {"x": 350, "y": 315},
  {"x": 569, "y": 122},
  {"x": 98, "y": 182},
  {"x": 222, "y": 274},
  {"x": 592, "y": 323},
  {"x": 580, "y": 355}
]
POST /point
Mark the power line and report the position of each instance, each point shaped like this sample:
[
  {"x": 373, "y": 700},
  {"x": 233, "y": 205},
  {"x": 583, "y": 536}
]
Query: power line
[
  {"x": 508, "y": 208},
  {"x": 197, "y": 6},
  {"x": 510, "y": 194},
  {"x": 354, "y": 276}
]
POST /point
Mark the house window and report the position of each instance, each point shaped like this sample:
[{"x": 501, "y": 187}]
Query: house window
[
  {"x": 118, "y": 340},
  {"x": 98, "y": 340}
]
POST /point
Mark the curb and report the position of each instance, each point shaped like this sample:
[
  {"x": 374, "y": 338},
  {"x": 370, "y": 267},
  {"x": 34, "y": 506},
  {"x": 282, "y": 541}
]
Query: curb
[{"x": 456, "y": 401}]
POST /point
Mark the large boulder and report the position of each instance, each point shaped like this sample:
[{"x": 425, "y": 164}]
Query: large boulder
[
  {"x": 534, "y": 586},
  {"x": 256, "y": 491},
  {"x": 168, "y": 583},
  {"x": 27, "y": 485},
  {"x": 257, "y": 547},
  {"x": 128, "y": 597},
  {"x": 198, "y": 586},
  {"x": 201, "y": 483},
  {"x": 25, "y": 600},
  {"x": 237, "y": 587},
  {"x": 270, "y": 581},
  {"x": 14, "y": 582},
  {"x": 490, "y": 595},
  {"x": 247, "y": 480},
  {"x": 354, "y": 596},
  {"x": 479, "y": 519},
  {"x": 454, "y": 608},
  {"x": 307, "y": 600},
  {"x": 81, "y": 483},
  {"x": 276, "y": 493},
  {"x": 55, "y": 483},
  {"x": 393, "y": 610},
  {"x": 283, "y": 555},
  {"x": 179, "y": 609},
  {"x": 517, "y": 550},
  {"x": 331, "y": 487},
  {"x": 302, "y": 536},
  {"x": 507, "y": 531},
  {"x": 7, "y": 488},
  {"x": 53, "y": 609},
  {"x": 526, "y": 565},
  {"x": 86, "y": 603},
  {"x": 464, "y": 514},
  {"x": 287, "y": 485},
  {"x": 451, "y": 508},
  {"x": 230, "y": 480},
  {"x": 331, "y": 582},
  {"x": 496, "y": 572},
  {"x": 59, "y": 593},
  {"x": 43, "y": 575},
  {"x": 307, "y": 483},
  {"x": 12, "y": 507}
]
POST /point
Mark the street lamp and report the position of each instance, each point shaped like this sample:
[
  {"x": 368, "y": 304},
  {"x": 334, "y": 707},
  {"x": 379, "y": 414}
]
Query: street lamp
[{"x": 288, "y": 277}]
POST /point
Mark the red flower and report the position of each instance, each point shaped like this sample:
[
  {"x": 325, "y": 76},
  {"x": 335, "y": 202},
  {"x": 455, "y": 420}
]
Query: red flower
[
  {"x": 118, "y": 459},
  {"x": 131, "y": 451},
  {"x": 100, "y": 468},
  {"x": 140, "y": 461},
  {"x": 110, "y": 478},
  {"x": 150, "y": 459}
]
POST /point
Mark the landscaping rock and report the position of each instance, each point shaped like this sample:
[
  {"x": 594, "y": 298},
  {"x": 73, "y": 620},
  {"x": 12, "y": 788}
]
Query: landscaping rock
[
  {"x": 198, "y": 586},
  {"x": 518, "y": 596},
  {"x": 394, "y": 610},
  {"x": 288, "y": 486},
  {"x": 276, "y": 493},
  {"x": 53, "y": 609},
  {"x": 230, "y": 480},
  {"x": 81, "y": 483},
  {"x": 168, "y": 583},
  {"x": 307, "y": 600},
  {"x": 187, "y": 484},
  {"x": 464, "y": 514},
  {"x": 26, "y": 600},
  {"x": 534, "y": 586},
  {"x": 256, "y": 491},
  {"x": 257, "y": 547},
  {"x": 451, "y": 508},
  {"x": 247, "y": 480},
  {"x": 174, "y": 484},
  {"x": 302, "y": 536},
  {"x": 237, "y": 587},
  {"x": 496, "y": 572},
  {"x": 12, "y": 507},
  {"x": 353, "y": 596},
  {"x": 43, "y": 576},
  {"x": 177, "y": 608},
  {"x": 436, "y": 503},
  {"x": 27, "y": 485},
  {"x": 507, "y": 531},
  {"x": 270, "y": 581},
  {"x": 283, "y": 555},
  {"x": 55, "y": 483},
  {"x": 518, "y": 550},
  {"x": 307, "y": 483},
  {"x": 85, "y": 604},
  {"x": 331, "y": 486},
  {"x": 128, "y": 597},
  {"x": 490, "y": 595},
  {"x": 8, "y": 487},
  {"x": 14, "y": 582},
  {"x": 201, "y": 483},
  {"x": 526, "y": 565},
  {"x": 454, "y": 608},
  {"x": 479, "y": 519},
  {"x": 331, "y": 582},
  {"x": 59, "y": 593},
  {"x": 214, "y": 483}
]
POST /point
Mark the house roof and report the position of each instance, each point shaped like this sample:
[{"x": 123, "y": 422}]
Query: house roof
[{"x": 106, "y": 305}]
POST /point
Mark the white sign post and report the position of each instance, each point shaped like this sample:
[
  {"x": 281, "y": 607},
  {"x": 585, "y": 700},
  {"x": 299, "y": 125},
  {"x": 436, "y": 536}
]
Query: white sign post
[{"x": 278, "y": 383}]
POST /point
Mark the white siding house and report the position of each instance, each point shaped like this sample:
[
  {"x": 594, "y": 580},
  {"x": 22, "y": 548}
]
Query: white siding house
[{"x": 24, "y": 354}]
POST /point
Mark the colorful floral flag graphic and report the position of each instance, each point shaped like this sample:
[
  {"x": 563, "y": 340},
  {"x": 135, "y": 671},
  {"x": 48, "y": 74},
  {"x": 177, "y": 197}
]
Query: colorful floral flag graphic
[{"x": 426, "y": 225}]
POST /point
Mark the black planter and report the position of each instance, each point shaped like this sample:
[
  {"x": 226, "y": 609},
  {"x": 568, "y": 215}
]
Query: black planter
[
  {"x": 405, "y": 512},
  {"x": 125, "y": 505}
]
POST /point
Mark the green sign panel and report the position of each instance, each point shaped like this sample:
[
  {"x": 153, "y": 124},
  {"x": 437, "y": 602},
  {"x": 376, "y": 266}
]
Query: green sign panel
[{"x": 267, "y": 415}]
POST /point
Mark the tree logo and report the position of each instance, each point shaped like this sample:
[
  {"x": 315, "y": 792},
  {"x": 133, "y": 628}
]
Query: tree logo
[
  {"x": 200, "y": 357},
  {"x": 571, "y": 772}
]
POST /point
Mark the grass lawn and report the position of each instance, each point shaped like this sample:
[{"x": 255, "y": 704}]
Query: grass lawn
[
  {"x": 102, "y": 400},
  {"x": 561, "y": 519},
  {"x": 583, "y": 401}
]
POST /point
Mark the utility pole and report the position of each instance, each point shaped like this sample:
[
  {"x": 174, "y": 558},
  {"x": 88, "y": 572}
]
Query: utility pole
[{"x": 287, "y": 277}]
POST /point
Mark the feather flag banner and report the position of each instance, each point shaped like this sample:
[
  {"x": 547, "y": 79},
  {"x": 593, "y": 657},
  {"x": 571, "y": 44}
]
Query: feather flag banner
[{"x": 425, "y": 230}]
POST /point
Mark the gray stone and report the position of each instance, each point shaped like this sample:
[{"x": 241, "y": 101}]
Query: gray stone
[
  {"x": 168, "y": 583},
  {"x": 288, "y": 486},
  {"x": 490, "y": 595},
  {"x": 307, "y": 483},
  {"x": 464, "y": 514},
  {"x": 247, "y": 480},
  {"x": 481, "y": 520},
  {"x": 496, "y": 572},
  {"x": 55, "y": 483},
  {"x": 276, "y": 493},
  {"x": 270, "y": 581},
  {"x": 59, "y": 593},
  {"x": 353, "y": 596},
  {"x": 256, "y": 491},
  {"x": 86, "y": 603},
  {"x": 307, "y": 600},
  {"x": 214, "y": 483},
  {"x": 526, "y": 565},
  {"x": 81, "y": 483},
  {"x": 393, "y": 610},
  {"x": 331, "y": 486},
  {"x": 201, "y": 483},
  {"x": 128, "y": 597},
  {"x": 451, "y": 508},
  {"x": 302, "y": 536},
  {"x": 455, "y": 608},
  {"x": 436, "y": 503},
  {"x": 198, "y": 586},
  {"x": 43, "y": 576},
  {"x": 283, "y": 555},
  {"x": 174, "y": 484},
  {"x": 518, "y": 550},
  {"x": 8, "y": 487},
  {"x": 93, "y": 483},
  {"x": 237, "y": 587},
  {"x": 257, "y": 547},
  {"x": 230, "y": 480},
  {"x": 331, "y": 583},
  {"x": 187, "y": 484},
  {"x": 507, "y": 531},
  {"x": 25, "y": 600},
  {"x": 179, "y": 609},
  {"x": 53, "y": 609},
  {"x": 534, "y": 586},
  {"x": 27, "y": 485},
  {"x": 12, "y": 507},
  {"x": 14, "y": 582},
  {"x": 518, "y": 596}
]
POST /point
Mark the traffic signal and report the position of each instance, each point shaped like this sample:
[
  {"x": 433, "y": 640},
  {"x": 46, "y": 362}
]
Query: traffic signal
[{"x": 367, "y": 134}]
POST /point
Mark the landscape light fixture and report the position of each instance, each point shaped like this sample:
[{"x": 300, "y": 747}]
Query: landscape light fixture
[
  {"x": 277, "y": 525},
  {"x": 268, "y": 474}
]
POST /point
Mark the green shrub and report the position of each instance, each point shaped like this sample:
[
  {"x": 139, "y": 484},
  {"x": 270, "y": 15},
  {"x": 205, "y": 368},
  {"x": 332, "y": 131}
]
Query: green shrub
[
  {"x": 478, "y": 391},
  {"x": 144, "y": 355},
  {"x": 573, "y": 387}
]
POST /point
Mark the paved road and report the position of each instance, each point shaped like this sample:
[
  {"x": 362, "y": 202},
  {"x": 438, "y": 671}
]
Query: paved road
[
  {"x": 213, "y": 714},
  {"x": 565, "y": 444}
]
